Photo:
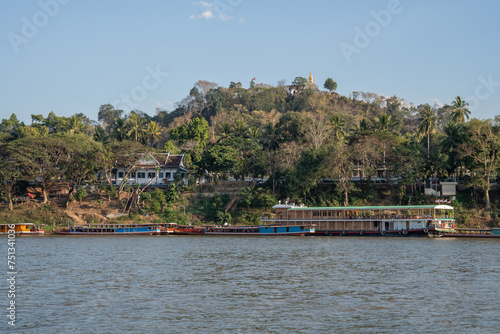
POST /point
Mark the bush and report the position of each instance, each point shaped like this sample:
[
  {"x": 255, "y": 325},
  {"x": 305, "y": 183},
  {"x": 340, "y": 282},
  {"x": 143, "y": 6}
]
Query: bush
[{"x": 81, "y": 193}]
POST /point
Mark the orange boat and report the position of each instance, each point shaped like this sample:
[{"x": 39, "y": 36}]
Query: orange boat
[
  {"x": 22, "y": 229},
  {"x": 189, "y": 230}
]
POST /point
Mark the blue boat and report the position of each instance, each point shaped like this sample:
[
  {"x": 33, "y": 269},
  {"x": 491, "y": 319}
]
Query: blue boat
[
  {"x": 112, "y": 229},
  {"x": 267, "y": 230}
]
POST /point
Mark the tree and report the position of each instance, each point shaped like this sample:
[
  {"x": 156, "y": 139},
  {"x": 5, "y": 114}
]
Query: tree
[
  {"x": 459, "y": 110},
  {"x": 339, "y": 165},
  {"x": 330, "y": 84},
  {"x": 455, "y": 136},
  {"x": 10, "y": 173},
  {"x": 270, "y": 142},
  {"x": 125, "y": 154},
  {"x": 119, "y": 129},
  {"x": 481, "y": 148},
  {"x": 81, "y": 193},
  {"x": 84, "y": 164},
  {"x": 198, "y": 130},
  {"x": 428, "y": 123},
  {"x": 219, "y": 159},
  {"x": 76, "y": 125},
  {"x": 317, "y": 129},
  {"x": 43, "y": 160},
  {"x": 136, "y": 126},
  {"x": 337, "y": 127},
  {"x": 152, "y": 132},
  {"x": 107, "y": 116},
  {"x": 300, "y": 82},
  {"x": 307, "y": 172}
]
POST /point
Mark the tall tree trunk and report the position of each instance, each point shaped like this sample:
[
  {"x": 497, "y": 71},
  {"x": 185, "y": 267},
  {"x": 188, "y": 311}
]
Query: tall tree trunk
[
  {"x": 11, "y": 205},
  {"x": 45, "y": 197},
  {"x": 428, "y": 144},
  {"x": 487, "y": 198},
  {"x": 68, "y": 198}
]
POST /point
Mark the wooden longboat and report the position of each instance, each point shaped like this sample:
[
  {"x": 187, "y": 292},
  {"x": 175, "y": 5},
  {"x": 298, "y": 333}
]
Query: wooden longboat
[
  {"x": 167, "y": 228},
  {"x": 21, "y": 229},
  {"x": 473, "y": 233},
  {"x": 189, "y": 230},
  {"x": 417, "y": 220},
  {"x": 112, "y": 229},
  {"x": 260, "y": 230}
]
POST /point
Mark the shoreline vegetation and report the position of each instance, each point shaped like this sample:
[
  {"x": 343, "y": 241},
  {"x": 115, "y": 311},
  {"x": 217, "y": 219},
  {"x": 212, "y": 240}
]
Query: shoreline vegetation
[{"x": 249, "y": 148}]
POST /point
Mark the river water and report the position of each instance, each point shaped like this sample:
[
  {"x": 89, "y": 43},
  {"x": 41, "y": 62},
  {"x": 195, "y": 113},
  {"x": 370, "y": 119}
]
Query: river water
[{"x": 219, "y": 284}]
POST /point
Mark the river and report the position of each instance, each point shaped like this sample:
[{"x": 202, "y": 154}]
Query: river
[{"x": 202, "y": 284}]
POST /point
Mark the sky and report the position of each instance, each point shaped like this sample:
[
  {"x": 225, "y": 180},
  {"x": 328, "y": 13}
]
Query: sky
[{"x": 72, "y": 56}]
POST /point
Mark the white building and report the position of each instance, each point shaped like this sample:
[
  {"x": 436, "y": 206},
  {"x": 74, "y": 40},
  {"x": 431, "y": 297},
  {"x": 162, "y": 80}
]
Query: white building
[{"x": 145, "y": 170}]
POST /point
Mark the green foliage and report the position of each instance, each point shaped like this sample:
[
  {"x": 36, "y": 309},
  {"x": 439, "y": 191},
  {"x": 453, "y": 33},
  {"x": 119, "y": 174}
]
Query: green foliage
[
  {"x": 146, "y": 196},
  {"x": 330, "y": 84},
  {"x": 223, "y": 218}
]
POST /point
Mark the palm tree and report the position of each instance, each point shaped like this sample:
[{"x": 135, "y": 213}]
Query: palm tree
[
  {"x": 254, "y": 133},
  {"x": 337, "y": 126},
  {"x": 437, "y": 164},
  {"x": 136, "y": 125},
  {"x": 76, "y": 125},
  {"x": 240, "y": 128},
  {"x": 459, "y": 111},
  {"x": 385, "y": 124},
  {"x": 428, "y": 123},
  {"x": 119, "y": 128},
  {"x": 454, "y": 138},
  {"x": 363, "y": 125},
  {"x": 224, "y": 129},
  {"x": 152, "y": 132}
]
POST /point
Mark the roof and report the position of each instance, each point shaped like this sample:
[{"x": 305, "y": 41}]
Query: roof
[
  {"x": 163, "y": 159},
  {"x": 397, "y": 207}
]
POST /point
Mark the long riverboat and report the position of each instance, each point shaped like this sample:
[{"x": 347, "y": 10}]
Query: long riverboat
[
  {"x": 474, "y": 233},
  {"x": 431, "y": 220},
  {"x": 167, "y": 228},
  {"x": 21, "y": 229},
  {"x": 112, "y": 229},
  {"x": 189, "y": 230},
  {"x": 260, "y": 230}
]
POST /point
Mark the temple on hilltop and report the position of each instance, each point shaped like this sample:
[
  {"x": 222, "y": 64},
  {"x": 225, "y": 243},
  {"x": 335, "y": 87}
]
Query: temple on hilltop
[
  {"x": 291, "y": 89},
  {"x": 311, "y": 81}
]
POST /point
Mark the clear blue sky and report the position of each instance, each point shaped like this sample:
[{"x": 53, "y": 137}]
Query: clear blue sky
[{"x": 71, "y": 56}]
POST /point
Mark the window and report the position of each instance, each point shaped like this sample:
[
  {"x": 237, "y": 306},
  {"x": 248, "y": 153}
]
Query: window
[
  {"x": 151, "y": 175},
  {"x": 141, "y": 175},
  {"x": 168, "y": 175},
  {"x": 120, "y": 174},
  {"x": 160, "y": 175},
  {"x": 132, "y": 174}
]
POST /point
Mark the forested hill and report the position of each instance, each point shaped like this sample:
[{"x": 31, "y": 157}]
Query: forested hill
[{"x": 297, "y": 136}]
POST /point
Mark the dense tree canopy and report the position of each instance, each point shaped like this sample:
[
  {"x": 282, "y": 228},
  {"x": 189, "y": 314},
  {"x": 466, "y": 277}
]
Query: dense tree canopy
[{"x": 296, "y": 136}]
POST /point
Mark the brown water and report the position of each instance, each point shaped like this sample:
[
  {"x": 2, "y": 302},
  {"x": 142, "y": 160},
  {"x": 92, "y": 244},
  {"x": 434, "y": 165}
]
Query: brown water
[{"x": 200, "y": 284}]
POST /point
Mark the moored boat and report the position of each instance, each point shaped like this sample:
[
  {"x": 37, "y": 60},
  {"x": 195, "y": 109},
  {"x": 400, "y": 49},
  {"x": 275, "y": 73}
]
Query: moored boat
[
  {"x": 112, "y": 229},
  {"x": 264, "y": 230},
  {"x": 167, "y": 228},
  {"x": 21, "y": 229},
  {"x": 189, "y": 230},
  {"x": 432, "y": 220},
  {"x": 474, "y": 233}
]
